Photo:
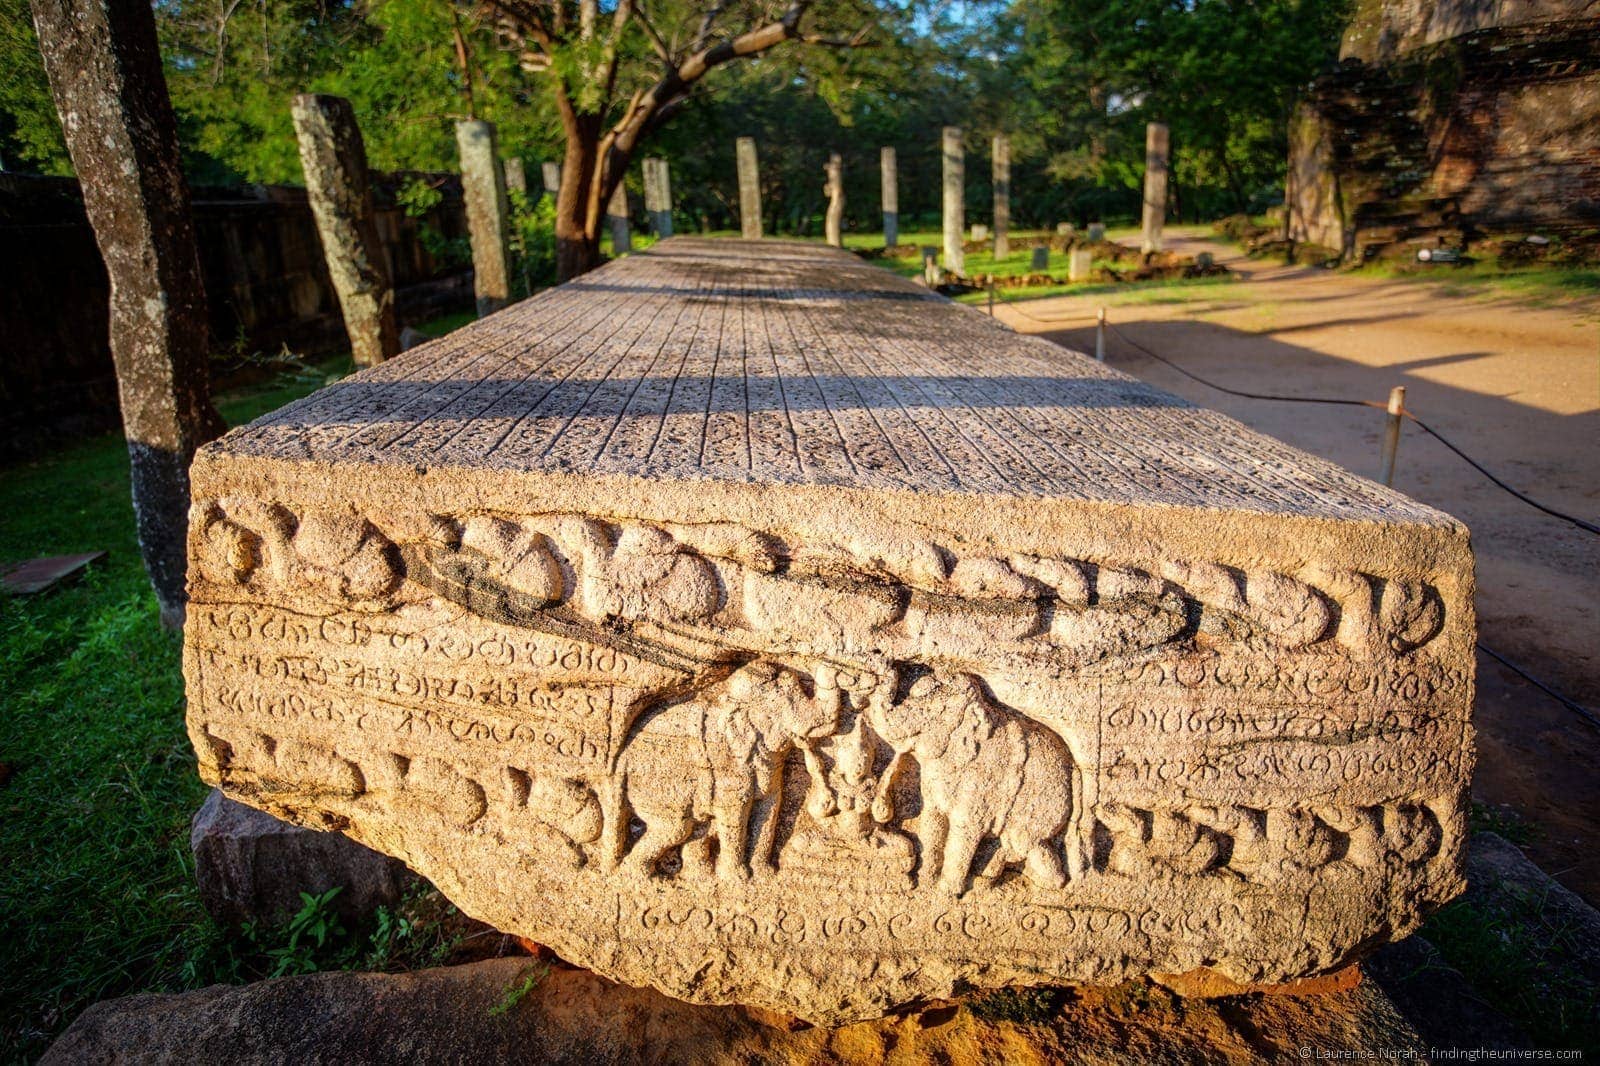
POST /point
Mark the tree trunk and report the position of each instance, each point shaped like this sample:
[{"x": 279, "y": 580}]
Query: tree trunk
[
  {"x": 579, "y": 202},
  {"x": 105, "y": 73}
]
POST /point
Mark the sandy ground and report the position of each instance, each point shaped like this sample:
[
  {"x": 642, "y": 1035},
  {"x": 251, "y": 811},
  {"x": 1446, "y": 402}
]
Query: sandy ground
[{"x": 1516, "y": 386}]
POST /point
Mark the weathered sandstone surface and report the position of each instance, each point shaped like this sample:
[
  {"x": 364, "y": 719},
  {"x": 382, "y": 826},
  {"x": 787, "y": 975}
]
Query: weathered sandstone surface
[{"x": 743, "y": 621}]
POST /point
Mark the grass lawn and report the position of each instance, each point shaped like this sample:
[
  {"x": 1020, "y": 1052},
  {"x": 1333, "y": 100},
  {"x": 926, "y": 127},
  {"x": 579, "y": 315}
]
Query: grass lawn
[{"x": 97, "y": 892}]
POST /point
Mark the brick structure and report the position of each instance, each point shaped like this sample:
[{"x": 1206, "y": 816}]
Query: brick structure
[{"x": 1446, "y": 124}]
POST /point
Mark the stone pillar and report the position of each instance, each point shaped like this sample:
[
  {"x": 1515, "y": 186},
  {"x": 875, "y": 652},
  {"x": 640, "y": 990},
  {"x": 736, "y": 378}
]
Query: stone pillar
[
  {"x": 1080, "y": 263},
  {"x": 833, "y": 226},
  {"x": 551, "y": 173},
  {"x": 749, "y": 189},
  {"x": 955, "y": 223},
  {"x": 483, "y": 185},
  {"x": 658, "y": 195},
  {"x": 335, "y": 163},
  {"x": 891, "y": 196},
  {"x": 1155, "y": 184},
  {"x": 1001, "y": 170},
  {"x": 104, "y": 68},
  {"x": 617, "y": 221},
  {"x": 516, "y": 179}
]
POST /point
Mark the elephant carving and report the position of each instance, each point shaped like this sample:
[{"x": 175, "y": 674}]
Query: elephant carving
[
  {"x": 986, "y": 772},
  {"x": 716, "y": 761}
]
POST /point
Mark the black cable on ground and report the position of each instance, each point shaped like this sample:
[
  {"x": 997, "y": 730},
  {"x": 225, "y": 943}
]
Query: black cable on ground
[
  {"x": 1587, "y": 527},
  {"x": 1570, "y": 704}
]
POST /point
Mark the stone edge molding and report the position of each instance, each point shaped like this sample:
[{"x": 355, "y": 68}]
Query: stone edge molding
[{"x": 829, "y": 750}]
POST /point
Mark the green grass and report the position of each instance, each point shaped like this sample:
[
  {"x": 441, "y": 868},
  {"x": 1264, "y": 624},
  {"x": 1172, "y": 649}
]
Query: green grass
[
  {"x": 97, "y": 892},
  {"x": 1517, "y": 956},
  {"x": 1530, "y": 285}
]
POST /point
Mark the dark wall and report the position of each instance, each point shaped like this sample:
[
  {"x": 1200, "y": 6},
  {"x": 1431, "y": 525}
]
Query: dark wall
[
  {"x": 266, "y": 283},
  {"x": 1493, "y": 132}
]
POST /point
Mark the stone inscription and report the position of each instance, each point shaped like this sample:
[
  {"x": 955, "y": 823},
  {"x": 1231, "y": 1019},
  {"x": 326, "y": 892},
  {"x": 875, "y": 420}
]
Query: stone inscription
[{"x": 661, "y": 664}]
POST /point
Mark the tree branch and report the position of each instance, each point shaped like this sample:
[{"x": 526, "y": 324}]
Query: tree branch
[{"x": 655, "y": 38}]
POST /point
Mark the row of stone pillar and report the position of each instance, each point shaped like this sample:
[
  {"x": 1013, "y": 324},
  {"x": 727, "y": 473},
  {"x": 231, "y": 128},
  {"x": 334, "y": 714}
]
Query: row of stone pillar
[
  {"x": 953, "y": 157},
  {"x": 335, "y": 162}
]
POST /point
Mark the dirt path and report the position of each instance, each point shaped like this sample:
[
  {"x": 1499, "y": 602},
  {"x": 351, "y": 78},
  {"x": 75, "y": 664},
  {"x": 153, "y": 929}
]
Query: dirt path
[{"x": 1517, "y": 387}]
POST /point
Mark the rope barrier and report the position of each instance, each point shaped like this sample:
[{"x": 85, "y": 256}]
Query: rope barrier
[
  {"x": 1587, "y": 527},
  {"x": 1570, "y": 704}
]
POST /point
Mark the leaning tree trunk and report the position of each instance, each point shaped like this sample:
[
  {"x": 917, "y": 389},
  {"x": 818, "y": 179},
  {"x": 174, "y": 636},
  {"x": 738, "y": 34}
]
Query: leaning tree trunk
[
  {"x": 104, "y": 68},
  {"x": 578, "y": 209}
]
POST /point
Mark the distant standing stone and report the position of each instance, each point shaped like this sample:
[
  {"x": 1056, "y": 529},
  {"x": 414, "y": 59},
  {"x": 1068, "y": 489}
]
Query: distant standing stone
[
  {"x": 516, "y": 179},
  {"x": 980, "y": 232},
  {"x": 1041, "y": 259},
  {"x": 483, "y": 184},
  {"x": 550, "y": 172},
  {"x": 1155, "y": 185},
  {"x": 955, "y": 171},
  {"x": 749, "y": 189},
  {"x": 1000, "y": 163},
  {"x": 1065, "y": 229},
  {"x": 658, "y": 195},
  {"x": 1097, "y": 232},
  {"x": 335, "y": 163},
  {"x": 833, "y": 188},
  {"x": 617, "y": 221},
  {"x": 891, "y": 196},
  {"x": 1080, "y": 264}
]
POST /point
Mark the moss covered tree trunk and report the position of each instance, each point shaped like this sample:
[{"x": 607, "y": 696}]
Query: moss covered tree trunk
[{"x": 105, "y": 74}]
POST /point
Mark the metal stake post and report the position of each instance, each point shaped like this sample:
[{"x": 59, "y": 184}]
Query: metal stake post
[
  {"x": 991, "y": 295},
  {"x": 1100, "y": 335},
  {"x": 1391, "y": 434}
]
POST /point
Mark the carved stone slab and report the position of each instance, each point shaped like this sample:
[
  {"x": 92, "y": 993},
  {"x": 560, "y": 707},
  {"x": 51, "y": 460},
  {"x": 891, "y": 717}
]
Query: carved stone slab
[{"x": 744, "y": 621}]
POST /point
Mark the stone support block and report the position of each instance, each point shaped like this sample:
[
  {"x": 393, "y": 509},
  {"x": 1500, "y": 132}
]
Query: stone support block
[
  {"x": 251, "y": 866},
  {"x": 823, "y": 646}
]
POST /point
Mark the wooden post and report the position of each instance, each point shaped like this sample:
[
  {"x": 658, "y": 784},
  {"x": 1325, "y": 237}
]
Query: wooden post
[
  {"x": 891, "y": 196},
  {"x": 1100, "y": 335},
  {"x": 1155, "y": 185},
  {"x": 955, "y": 259},
  {"x": 335, "y": 163},
  {"x": 104, "y": 67},
  {"x": 658, "y": 195},
  {"x": 550, "y": 173},
  {"x": 749, "y": 189},
  {"x": 833, "y": 226},
  {"x": 617, "y": 221},
  {"x": 483, "y": 186},
  {"x": 516, "y": 177},
  {"x": 1391, "y": 433},
  {"x": 1001, "y": 166}
]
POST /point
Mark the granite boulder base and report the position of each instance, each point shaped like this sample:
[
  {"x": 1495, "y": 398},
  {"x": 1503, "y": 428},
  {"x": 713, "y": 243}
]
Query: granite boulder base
[{"x": 744, "y": 621}]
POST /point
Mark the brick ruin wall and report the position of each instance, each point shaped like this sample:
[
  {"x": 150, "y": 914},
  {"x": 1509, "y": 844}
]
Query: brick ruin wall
[
  {"x": 1450, "y": 123},
  {"x": 267, "y": 287}
]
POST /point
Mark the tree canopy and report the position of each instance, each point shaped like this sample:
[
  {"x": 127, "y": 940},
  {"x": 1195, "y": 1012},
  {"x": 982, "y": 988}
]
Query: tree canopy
[{"x": 1071, "y": 81}]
